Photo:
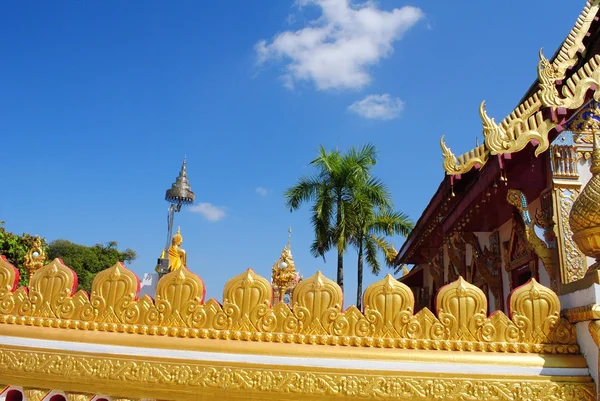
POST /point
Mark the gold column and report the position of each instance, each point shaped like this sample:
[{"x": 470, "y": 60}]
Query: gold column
[
  {"x": 572, "y": 262},
  {"x": 566, "y": 188}
]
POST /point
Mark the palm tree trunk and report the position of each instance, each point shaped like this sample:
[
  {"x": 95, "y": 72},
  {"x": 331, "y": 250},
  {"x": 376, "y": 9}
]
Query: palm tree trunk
[
  {"x": 340, "y": 261},
  {"x": 360, "y": 276},
  {"x": 340, "y": 269}
]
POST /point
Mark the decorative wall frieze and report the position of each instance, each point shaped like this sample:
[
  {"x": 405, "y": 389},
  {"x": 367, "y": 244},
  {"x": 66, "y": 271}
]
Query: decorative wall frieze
[
  {"x": 200, "y": 380},
  {"x": 33, "y": 394},
  {"x": 80, "y": 397},
  {"x": 316, "y": 315}
]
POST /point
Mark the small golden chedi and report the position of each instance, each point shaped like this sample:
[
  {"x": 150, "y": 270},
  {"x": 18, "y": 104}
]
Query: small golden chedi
[{"x": 585, "y": 214}]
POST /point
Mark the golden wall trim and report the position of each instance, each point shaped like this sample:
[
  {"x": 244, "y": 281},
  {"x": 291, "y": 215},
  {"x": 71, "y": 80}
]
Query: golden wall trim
[
  {"x": 316, "y": 316},
  {"x": 292, "y": 350},
  {"x": 582, "y": 313},
  {"x": 594, "y": 329},
  {"x": 136, "y": 378}
]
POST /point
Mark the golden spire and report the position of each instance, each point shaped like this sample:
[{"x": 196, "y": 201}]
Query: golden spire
[
  {"x": 284, "y": 275},
  {"x": 585, "y": 213}
]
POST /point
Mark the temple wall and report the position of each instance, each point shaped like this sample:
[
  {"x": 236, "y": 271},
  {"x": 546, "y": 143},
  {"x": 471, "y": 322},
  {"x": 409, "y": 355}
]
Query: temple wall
[{"x": 588, "y": 348}]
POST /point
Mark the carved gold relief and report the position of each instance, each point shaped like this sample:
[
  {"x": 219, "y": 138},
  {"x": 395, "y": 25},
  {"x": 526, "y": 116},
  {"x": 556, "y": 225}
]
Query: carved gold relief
[
  {"x": 547, "y": 255},
  {"x": 35, "y": 394},
  {"x": 79, "y": 397},
  {"x": 573, "y": 264},
  {"x": 189, "y": 380},
  {"x": 246, "y": 314},
  {"x": 542, "y": 314}
]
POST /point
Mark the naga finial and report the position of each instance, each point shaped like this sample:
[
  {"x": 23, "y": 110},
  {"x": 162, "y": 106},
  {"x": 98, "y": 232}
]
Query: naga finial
[
  {"x": 494, "y": 135},
  {"x": 450, "y": 163},
  {"x": 547, "y": 77}
]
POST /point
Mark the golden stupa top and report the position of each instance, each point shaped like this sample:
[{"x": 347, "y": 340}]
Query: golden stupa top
[
  {"x": 283, "y": 272},
  {"x": 528, "y": 123},
  {"x": 584, "y": 218}
]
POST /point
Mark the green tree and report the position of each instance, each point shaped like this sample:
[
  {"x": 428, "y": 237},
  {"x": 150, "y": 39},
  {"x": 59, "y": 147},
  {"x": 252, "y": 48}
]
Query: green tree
[
  {"x": 373, "y": 220},
  {"x": 14, "y": 247},
  {"x": 87, "y": 261},
  {"x": 331, "y": 192}
]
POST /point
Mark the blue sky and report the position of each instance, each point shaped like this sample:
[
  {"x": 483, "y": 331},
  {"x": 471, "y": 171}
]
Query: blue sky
[{"x": 100, "y": 102}]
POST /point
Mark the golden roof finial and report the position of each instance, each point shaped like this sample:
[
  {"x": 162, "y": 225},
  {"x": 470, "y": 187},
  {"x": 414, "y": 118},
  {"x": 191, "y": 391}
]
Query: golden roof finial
[{"x": 585, "y": 213}]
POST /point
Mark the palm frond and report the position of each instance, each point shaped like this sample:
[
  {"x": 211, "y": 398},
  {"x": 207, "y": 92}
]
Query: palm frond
[
  {"x": 370, "y": 246},
  {"x": 304, "y": 191},
  {"x": 387, "y": 248}
]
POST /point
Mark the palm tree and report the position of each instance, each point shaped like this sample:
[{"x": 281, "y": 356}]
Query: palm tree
[
  {"x": 331, "y": 190},
  {"x": 373, "y": 220}
]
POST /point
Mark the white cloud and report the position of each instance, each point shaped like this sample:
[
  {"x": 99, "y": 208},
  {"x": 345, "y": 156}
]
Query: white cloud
[
  {"x": 209, "y": 211},
  {"x": 262, "y": 191},
  {"x": 336, "y": 49},
  {"x": 378, "y": 107}
]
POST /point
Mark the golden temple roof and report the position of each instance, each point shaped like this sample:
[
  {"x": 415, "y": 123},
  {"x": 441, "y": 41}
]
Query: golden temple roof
[{"x": 527, "y": 123}]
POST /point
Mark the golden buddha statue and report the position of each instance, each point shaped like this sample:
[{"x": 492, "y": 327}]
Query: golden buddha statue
[{"x": 177, "y": 257}]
